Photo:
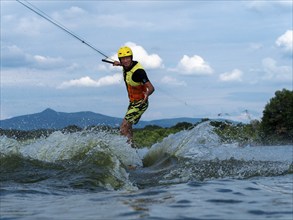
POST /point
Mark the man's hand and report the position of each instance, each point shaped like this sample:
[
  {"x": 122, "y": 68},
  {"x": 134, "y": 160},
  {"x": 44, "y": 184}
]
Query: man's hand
[
  {"x": 146, "y": 96},
  {"x": 149, "y": 90},
  {"x": 116, "y": 63}
]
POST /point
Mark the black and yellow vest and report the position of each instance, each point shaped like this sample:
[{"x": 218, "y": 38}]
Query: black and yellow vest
[{"x": 135, "y": 89}]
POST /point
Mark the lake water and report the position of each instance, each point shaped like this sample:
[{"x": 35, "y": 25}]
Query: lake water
[{"x": 189, "y": 175}]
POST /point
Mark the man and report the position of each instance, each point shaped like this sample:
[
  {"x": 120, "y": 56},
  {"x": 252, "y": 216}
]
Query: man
[{"x": 139, "y": 88}]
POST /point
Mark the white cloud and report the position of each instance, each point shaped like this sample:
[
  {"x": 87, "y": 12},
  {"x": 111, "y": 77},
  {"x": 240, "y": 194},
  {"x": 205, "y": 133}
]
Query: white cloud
[
  {"x": 72, "y": 17},
  {"x": 110, "y": 20},
  {"x": 285, "y": 41},
  {"x": 149, "y": 61},
  {"x": 262, "y": 5},
  {"x": 234, "y": 75},
  {"x": 255, "y": 46},
  {"x": 193, "y": 66},
  {"x": 275, "y": 72},
  {"x": 30, "y": 26},
  {"x": 74, "y": 11},
  {"x": 88, "y": 82},
  {"x": 172, "y": 81},
  {"x": 13, "y": 56},
  {"x": 43, "y": 62}
]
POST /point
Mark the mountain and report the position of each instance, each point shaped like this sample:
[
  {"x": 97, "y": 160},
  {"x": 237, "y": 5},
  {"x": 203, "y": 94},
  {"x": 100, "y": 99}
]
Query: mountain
[{"x": 50, "y": 119}]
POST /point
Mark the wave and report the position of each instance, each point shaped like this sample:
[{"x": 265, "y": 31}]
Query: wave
[
  {"x": 82, "y": 159},
  {"x": 98, "y": 160},
  {"x": 198, "y": 155}
]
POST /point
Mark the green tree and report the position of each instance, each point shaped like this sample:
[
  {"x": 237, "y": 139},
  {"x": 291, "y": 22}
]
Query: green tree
[{"x": 277, "y": 120}]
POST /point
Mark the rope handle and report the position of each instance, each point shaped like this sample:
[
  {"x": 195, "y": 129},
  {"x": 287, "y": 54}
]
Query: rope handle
[{"x": 107, "y": 61}]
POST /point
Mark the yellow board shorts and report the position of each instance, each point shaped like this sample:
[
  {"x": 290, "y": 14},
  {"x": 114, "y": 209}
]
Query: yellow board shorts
[{"x": 135, "y": 111}]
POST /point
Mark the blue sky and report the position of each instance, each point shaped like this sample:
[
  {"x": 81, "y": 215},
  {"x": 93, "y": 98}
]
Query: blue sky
[{"x": 205, "y": 58}]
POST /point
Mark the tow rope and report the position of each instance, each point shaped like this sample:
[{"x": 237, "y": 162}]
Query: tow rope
[{"x": 62, "y": 27}]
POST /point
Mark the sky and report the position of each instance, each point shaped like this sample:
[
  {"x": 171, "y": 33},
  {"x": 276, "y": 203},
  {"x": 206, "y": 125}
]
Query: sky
[{"x": 211, "y": 59}]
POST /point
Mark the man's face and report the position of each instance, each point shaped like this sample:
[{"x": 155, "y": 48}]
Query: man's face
[{"x": 126, "y": 62}]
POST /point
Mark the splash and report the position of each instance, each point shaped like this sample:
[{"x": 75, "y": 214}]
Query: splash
[
  {"x": 98, "y": 157},
  {"x": 94, "y": 160},
  {"x": 195, "y": 143},
  {"x": 198, "y": 155}
]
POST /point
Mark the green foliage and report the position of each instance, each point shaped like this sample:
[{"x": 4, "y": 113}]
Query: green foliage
[
  {"x": 244, "y": 134},
  {"x": 152, "y": 134},
  {"x": 71, "y": 129},
  {"x": 277, "y": 120}
]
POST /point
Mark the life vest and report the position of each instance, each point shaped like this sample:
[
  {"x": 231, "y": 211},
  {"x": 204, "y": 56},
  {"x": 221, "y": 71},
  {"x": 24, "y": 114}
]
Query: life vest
[{"x": 135, "y": 89}]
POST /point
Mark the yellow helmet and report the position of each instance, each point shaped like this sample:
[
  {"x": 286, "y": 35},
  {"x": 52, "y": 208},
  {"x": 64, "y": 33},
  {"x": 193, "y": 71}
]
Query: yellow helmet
[{"x": 124, "y": 52}]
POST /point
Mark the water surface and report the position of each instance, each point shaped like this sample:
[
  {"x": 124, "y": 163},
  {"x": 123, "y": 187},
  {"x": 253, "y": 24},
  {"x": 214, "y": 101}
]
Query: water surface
[{"x": 189, "y": 175}]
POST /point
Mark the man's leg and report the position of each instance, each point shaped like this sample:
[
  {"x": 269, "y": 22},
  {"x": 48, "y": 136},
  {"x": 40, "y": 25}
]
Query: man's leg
[
  {"x": 126, "y": 130},
  {"x": 132, "y": 116}
]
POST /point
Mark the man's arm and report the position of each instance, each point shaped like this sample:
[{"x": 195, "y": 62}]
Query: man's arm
[{"x": 149, "y": 90}]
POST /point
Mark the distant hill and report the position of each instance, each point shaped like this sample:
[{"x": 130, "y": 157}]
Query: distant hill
[{"x": 50, "y": 119}]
